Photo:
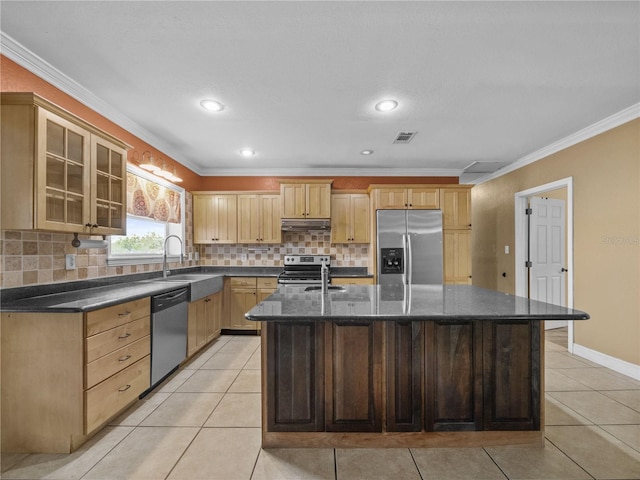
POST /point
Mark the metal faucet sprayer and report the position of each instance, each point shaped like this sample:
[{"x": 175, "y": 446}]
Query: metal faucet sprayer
[{"x": 165, "y": 270}]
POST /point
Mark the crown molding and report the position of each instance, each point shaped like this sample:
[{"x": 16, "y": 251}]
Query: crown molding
[
  {"x": 332, "y": 171},
  {"x": 36, "y": 65},
  {"x": 609, "y": 123}
]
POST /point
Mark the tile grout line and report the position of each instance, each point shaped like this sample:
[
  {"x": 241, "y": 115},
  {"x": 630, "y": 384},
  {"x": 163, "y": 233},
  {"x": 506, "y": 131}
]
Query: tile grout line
[
  {"x": 567, "y": 455},
  {"x": 484, "y": 449},
  {"x": 416, "y": 464}
]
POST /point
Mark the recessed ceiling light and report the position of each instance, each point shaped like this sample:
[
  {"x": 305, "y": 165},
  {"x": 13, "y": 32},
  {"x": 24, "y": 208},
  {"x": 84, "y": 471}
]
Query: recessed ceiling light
[
  {"x": 366, "y": 152},
  {"x": 247, "y": 152},
  {"x": 386, "y": 105},
  {"x": 212, "y": 105}
]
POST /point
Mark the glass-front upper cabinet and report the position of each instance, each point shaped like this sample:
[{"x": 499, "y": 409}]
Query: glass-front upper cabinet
[{"x": 59, "y": 173}]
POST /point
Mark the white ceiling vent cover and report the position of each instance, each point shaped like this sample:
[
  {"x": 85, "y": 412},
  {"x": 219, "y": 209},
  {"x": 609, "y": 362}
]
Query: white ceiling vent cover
[{"x": 404, "y": 137}]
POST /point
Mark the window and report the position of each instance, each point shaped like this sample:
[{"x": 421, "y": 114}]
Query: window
[{"x": 155, "y": 210}]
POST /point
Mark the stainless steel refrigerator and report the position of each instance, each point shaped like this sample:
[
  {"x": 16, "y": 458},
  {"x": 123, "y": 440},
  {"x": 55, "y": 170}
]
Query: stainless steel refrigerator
[{"x": 409, "y": 247}]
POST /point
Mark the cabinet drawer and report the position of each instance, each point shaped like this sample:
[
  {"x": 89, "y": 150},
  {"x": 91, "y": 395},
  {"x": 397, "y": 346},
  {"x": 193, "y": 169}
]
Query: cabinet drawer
[
  {"x": 106, "y": 342},
  {"x": 246, "y": 282},
  {"x": 109, "y": 397},
  {"x": 267, "y": 282},
  {"x": 107, "y": 318},
  {"x": 115, "y": 361}
]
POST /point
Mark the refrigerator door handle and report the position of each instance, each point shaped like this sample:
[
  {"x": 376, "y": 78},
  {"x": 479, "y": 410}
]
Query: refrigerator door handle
[
  {"x": 404, "y": 267},
  {"x": 409, "y": 260}
]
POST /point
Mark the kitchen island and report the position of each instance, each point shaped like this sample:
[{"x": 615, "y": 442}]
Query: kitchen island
[{"x": 402, "y": 366}]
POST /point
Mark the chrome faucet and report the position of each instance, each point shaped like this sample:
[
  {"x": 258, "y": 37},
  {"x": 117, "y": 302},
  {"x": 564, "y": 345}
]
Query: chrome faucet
[{"x": 165, "y": 270}]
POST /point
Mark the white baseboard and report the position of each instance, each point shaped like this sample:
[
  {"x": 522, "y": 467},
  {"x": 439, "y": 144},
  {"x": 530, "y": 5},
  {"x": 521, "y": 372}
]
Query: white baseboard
[{"x": 615, "y": 364}]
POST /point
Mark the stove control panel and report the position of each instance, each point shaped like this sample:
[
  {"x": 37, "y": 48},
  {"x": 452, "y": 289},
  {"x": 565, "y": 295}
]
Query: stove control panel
[
  {"x": 392, "y": 260},
  {"x": 307, "y": 260}
]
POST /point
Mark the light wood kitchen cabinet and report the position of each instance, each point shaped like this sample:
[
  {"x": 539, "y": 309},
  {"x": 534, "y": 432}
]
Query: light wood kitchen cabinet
[
  {"x": 215, "y": 218},
  {"x": 244, "y": 294},
  {"x": 457, "y": 256},
  {"x": 350, "y": 218},
  {"x": 456, "y": 207},
  {"x": 259, "y": 218},
  {"x": 205, "y": 320},
  {"x": 65, "y": 375},
  {"x": 59, "y": 173},
  {"x": 423, "y": 198},
  {"x": 305, "y": 199}
]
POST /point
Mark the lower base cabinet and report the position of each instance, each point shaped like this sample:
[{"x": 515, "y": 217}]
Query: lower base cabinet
[
  {"x": 451, "y": 376},
  {"x": 244, "y": 293},
  {"x": 204, "y": 324}
]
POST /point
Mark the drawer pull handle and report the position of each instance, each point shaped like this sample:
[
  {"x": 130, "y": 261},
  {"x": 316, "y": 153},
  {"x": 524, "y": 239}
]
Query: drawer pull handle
[
  {"x": 124, "y": 314},
  {"x": 125, "y": 388},
  {"x": 125, "y": 358},
  {"x": 126, "y": 335}
]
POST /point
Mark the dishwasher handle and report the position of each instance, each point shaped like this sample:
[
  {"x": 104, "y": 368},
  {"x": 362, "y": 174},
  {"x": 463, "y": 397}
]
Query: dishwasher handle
[{"x": 167, "y": 300}]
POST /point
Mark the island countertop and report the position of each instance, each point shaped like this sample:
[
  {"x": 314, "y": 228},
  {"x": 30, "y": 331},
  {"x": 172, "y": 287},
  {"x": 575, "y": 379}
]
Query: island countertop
[{"x": 357, "y": 303}]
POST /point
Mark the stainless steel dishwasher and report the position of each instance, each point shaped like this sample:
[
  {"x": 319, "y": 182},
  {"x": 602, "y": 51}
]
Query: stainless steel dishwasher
[{"x": 168, "y": 333}]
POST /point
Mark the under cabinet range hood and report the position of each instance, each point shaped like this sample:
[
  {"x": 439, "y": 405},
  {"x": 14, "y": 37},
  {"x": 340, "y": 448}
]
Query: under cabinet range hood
[{"x": 305, "y": 224}]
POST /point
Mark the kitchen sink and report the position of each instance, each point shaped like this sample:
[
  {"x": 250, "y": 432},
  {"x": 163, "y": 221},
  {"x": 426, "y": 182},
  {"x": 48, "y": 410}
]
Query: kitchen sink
[
  {"x": 200, "y": 284},
  {"x": 331, "y": 288}
]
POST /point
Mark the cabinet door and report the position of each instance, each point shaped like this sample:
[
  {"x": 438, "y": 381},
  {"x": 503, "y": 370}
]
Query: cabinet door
[
  {"x": 242, "y": 300},
  {"x": 270, "y": 221},
  {"x": 455, "y": 204},
  {"x": 63, "y": 173},
  {"x": 360, "y": 218},
  {"x": 457, "y": 257},
  {"x": 249, "y": 219},
  {"x": 195, "y": 312},
  {"x": 341, "y": 228},
  {"x": 293, "y": 200},
  {"x": 203, "y": 225},
  {"x": 391, "y": 198},
  {"x": 225, "y": 216},
  {"x": 108, "y": 201},
  {"x": 424, "y": 198},
  {"x": 512, "y": 375},
  {"x": 295, "y": 367},
  {"x": 405, "y": 347},
  {"x": 353, "y": 376},
  {"x": 215, "y": 313},
  {"x": 318, "y": 199},
  {"x": 453, "y": 376}
]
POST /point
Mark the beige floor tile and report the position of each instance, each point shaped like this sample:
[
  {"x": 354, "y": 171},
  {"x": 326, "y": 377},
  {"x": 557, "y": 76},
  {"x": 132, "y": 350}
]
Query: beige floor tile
[
  {"x": 183, "y": 410},
  {"x": 630, "y": 398},
  {"x": 174, "y": 381},
  {"x": 254, "y": 362},
  {"x": 633, "y": 381},
  {"x": 555, "y": 413},
  {"x": 8, "y": 460},
  {"x": 72, "y": 466},
  {"x": 629, "y": 434},
  {"x": 375, "y": 463},
  {"x": 237, "y": 410},
  {"x": 140, "y": 410},
  {"x": 564, "y": 360},
  {"x": 219, "y": 453},
  {"x": 456, "y": 464},
  {"x": 295, "y": 463},
  {"x": 554, "y": 347},
  {"x": 529, "y": 463},
  {"x": 147, "y": 453},
  {"x": 598, "y": 452},
  {"x": 227, "y": 361},
  {"x": 597, "y": 407},
  {"x": 209, "y": 381},
  {"x": 248, "y": 381},
  {"x": 599, "y": 379},
  {"x": 556, "y": 381}
]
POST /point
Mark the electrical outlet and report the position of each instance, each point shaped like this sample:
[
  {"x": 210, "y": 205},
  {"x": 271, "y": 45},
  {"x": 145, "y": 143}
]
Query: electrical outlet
[
  {"x": 243, "y": 257},
  {"x": 506, "y": 249},
  {"x": 190, "y": 256},
  {"x": 197, "y": 256},
  {"x": 70, "y": 261}
]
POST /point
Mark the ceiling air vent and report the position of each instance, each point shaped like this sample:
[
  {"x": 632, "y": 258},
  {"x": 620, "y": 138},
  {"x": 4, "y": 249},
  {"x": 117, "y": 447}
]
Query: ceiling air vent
[{"x": 404, "y": 137}]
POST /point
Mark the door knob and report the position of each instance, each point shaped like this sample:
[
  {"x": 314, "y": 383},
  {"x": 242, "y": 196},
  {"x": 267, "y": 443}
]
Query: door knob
[{"x": 562, "y": 270}]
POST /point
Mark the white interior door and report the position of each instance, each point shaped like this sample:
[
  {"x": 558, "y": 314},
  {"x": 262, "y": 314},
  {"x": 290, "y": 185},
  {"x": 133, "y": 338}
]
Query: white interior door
[{"x": 547, "y": 253}]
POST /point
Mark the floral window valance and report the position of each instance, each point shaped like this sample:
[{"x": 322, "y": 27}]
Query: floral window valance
[{"x": 149, "y": 199}]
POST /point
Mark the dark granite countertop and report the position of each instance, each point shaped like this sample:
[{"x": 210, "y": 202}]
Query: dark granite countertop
[
  {"x": 350, "y": 272},
  {"x": 87, "y": 295},
  {"x": 357, "y": 303}
]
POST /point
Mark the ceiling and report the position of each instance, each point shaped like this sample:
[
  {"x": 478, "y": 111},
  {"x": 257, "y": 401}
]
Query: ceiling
[{"x": 478, "y": 81}]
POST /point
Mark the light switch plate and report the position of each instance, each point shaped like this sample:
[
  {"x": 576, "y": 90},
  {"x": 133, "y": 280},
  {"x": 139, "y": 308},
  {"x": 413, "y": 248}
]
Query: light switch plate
[
  {"x": 506, "y": 249},
  {"x": 70, "y": 261}
]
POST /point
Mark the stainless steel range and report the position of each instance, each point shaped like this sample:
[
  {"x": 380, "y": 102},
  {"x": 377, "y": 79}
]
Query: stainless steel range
[{"x": 303, "y": 269}]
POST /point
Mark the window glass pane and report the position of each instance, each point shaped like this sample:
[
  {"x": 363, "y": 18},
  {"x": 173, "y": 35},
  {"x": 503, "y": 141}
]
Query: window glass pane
[
  {"x": 74, "y": 146},
  {"x": 55, "y": 138},
  {"x": 144, "y": 236},
  {"x": 102, "y": 160}
]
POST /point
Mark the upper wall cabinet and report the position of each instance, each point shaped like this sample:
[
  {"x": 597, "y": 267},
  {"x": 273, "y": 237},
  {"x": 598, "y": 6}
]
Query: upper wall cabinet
[
  {"x": 215, "y": 218},
  {"x": 455, "y": 203},
  {"x": 59, "y": 173},
  {"x": 305, "y": 199},
  {"x": 259, "y": 218},
  {"x": 416, "y": 198},
  {"x": 350, "y": 218}
]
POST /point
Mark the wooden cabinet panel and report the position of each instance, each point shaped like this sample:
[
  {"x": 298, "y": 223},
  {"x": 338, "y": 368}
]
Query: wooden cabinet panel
[
  {"x": 455, "y": 204},
  {"x": 243, "y": 297},
  {"x": 511, "y": 375},
  {"x": 270, "y": 219},
  {"x": 107, "y": 318},
  {"x": 350, "y": 218},
  {"x": 215, "y": 218},
  {"x": 405, "y": 354},
  {"x": 424, "y": 198},
  {"x": 109, "y": 397},
  {"x": 420, "y": 198},
  {"x": 259, "y": 219},
  {"x": 204, "y": 322},
  {"x": 318, "y": 200},
  {"x": 99, "y": 345},
  {"x": 305, "y": 200},
  {"x": 293, "y": 199},
  {"x": 113, "y": 362},
  {"x": 457, "y": 257},
  {"x": 391, "y": 198},
  {"x": 295, "y": 365},
  {"x": 353, "y": 356},
  {"x": 453, "y": 376},
  {"x": 225, "y": 215}
]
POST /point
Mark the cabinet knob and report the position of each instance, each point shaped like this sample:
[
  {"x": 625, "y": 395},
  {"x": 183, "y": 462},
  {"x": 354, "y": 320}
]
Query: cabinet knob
[{"x": 411, "y": 204}]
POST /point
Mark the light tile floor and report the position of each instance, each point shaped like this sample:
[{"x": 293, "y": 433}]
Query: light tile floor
[{"x": 204, "y": 423}]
